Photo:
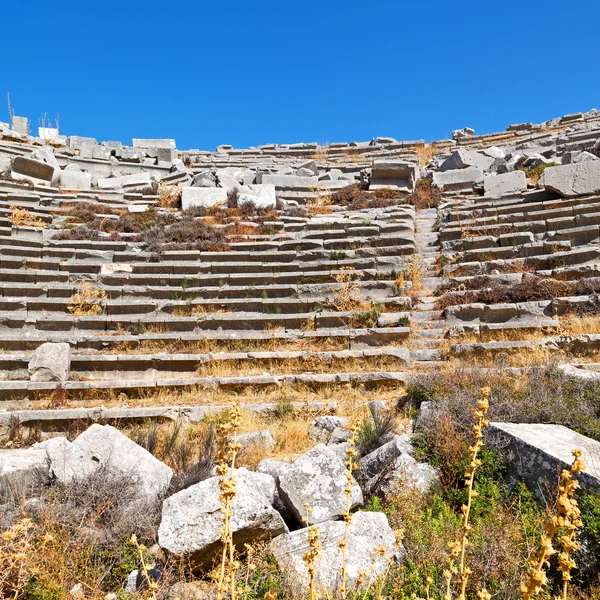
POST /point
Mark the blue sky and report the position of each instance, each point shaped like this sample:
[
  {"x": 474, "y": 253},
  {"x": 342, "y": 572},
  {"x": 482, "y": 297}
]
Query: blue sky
[{"x": 249, "y": 73}]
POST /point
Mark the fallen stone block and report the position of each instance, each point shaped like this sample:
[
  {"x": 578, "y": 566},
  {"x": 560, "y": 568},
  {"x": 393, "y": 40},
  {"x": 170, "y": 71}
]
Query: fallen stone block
[
  {"x": 193, "y": 197},
  {"x": 506, "y": 184},
  {"x": 130, "y": 182},
  {"x": 36, "y": 171},
  {"x": 24, "y": 469},
  {"x": 191, "y": 522},
  {"x": 538, "y": 452},
  {"x": 20, "y": 125},
  {"x": 572, "y": 180},
  {"x": 462, "y": 159},
  {"x": 104, "y": 447},
  {"x": 465, "y": 132},
  {"x": 153, "y": 143},
  {"x": 318, "y": 477},
  {"x": 75, "y": 180},
  {"x": 458, "y": 178},
  {"x": 50, "y": 362},
  {"x": 290, "y": 181},
  {"x": 398, "y": 174},
  {"x": 262, "y": 195},
  {"x": 76, "y": 141},
  {"x": 371, "y": 546}
]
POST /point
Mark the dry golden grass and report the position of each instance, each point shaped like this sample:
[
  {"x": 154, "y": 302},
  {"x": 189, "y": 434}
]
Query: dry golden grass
[
  {"x": 346, "y": 395},
  {"x": 346, "y": 295},
  {"x": 574, "y": 324},
  {"x": 321, "y": 153},
  {"x": 87, "y": 301},
  {"x": 426, "y": 153},
  {"x": 21, "y": 217},
  {"x": 169, "y": 196},
  {"x": 309, "y": 364}
]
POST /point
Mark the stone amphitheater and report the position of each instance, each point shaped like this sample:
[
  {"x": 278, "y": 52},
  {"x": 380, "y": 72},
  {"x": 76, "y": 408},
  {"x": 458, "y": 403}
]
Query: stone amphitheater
[{"x": 144, "y": 283}]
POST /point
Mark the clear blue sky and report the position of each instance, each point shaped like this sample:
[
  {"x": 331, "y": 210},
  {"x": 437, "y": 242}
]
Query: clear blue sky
[{"x": 249, "y": 73}]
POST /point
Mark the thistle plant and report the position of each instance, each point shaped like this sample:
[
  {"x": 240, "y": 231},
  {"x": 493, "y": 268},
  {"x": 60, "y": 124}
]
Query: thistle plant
[
  {"x": 311, "y": 556},
  {"x": 346, "y": 515},
  {"x": 229, "y": 447},
  {"x": 459, "y": 549},
  {"x": 567, "y": 518}
]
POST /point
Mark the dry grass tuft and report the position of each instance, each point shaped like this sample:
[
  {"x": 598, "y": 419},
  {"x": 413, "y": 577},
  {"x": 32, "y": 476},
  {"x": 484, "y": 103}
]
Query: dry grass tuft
[
  {"x": 87, "y": 302},
  {"x": 21, "y": 217},
  {"x": 169, "y": 196}
]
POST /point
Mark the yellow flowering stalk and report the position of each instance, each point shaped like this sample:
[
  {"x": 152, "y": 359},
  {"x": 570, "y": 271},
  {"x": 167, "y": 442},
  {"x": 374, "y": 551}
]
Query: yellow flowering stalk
[{"x": 567, "y": 517}]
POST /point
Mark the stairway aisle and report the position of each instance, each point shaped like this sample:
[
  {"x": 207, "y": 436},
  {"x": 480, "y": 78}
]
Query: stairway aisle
[{"x": 426, "y": 342}]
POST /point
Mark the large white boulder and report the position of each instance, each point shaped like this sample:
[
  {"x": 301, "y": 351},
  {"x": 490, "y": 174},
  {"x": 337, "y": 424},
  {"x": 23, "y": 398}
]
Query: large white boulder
[
  {"x": 23, "y": 468},
  {"x": 192, "y": 522},
  {"x": 371, "y": 545},
  {"x": 318, "y": 477},
  {"x": 50, "y": 362},
  {"x": 507, "y": 184},
  {"x": 104, "y": 447},
  {"x": 572, "y": 180}
]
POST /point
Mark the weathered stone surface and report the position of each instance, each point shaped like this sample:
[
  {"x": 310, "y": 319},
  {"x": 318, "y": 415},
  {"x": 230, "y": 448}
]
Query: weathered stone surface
[
  {"x": 32, "y": 170},
  {"x": 368, "y": 533},
  {"x": 462, "y": 178},
  {"x": 393, "y": 173},
  {"x": 319, "y": 478},
  {"x": 25, "y": 468},
  {"x": 322, "y": 427},
  {"x": 191, "y": 519},
  {"x": 140, "y": 180},
  {"x": 153, "y": 143},
  {"x": 262, "y": 195},
  {"x": 572, "y": 180},
  {"x": 256, "y": 438},
  {"x": 76, "y": 180},
  {"x": 192, "y": 197},
  {"x": 50, "y": 362},
  {"x": 20, "y": 125},
  {"x": 538, "y": 452},
  {"x": 462, "y": 158},
  {"x": 103, "y": 446},
  {"x": 507, "y": 184}
]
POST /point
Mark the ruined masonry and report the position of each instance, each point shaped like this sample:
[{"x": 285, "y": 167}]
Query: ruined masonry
[{"x": 341, "y": 267}]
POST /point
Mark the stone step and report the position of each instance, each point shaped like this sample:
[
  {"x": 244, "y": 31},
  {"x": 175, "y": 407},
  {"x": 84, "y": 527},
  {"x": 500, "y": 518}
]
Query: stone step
[
  {"x": 425, "y": 306},
  {"x": 425, "y": 315},
  {"x": 61, "y": 419},
  {"x": 424, "y": 344},
  {"x": 433, "y": 333},
  {"x": 432, "y": 282},
  {"x": 433, "y": 324},
  {"x": 217, "y": 340},
  {"x": 425, "y": 355},
  {"x": 16, "y": 389},
  {"x": 113, "y": 366}
]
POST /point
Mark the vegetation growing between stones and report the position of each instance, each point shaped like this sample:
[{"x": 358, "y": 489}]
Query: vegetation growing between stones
[
  {"x": 531, "y": 288},
  {"x": 87, "y": 301},
  {"x": 21, "y": 217}
]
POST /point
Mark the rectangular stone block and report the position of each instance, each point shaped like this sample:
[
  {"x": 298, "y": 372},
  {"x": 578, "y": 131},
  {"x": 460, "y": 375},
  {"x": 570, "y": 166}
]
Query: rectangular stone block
[
  {"x": 463, "y": 178},
  {"x": 538, "y": 452},
  {"x": 33, "y": 170},
  {"x": 75, "y": 180},
  {"x": 76, "y": 141},
  {"x": 127, "y": 181},
  {"x": 153, "y": 143},
  {"x": 193, "y": 197},
  {"x": 398, "y": 174}
]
